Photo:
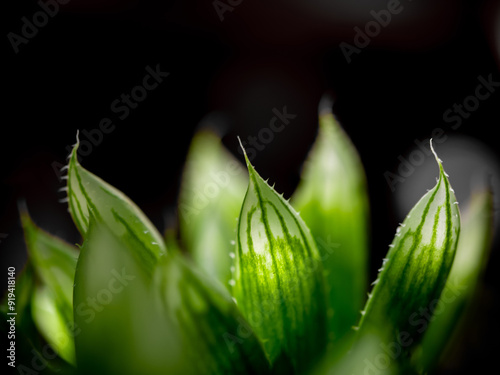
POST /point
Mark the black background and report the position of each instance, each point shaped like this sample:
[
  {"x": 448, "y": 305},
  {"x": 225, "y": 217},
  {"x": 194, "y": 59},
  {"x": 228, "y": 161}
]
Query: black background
[{"x": 262, "y": 55}]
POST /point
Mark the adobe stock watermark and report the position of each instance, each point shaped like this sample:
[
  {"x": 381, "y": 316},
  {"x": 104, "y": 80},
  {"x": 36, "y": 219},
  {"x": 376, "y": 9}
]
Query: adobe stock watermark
[
  {"x": 420, "y": 319},
  {"x": 89, "y": 309},
  {"x": 372, "y": 29},
  {"x": 244, "y": 330},
  {"x": 456, "y": 115},
  {"x": 121, "y": 108},
  {"x": 221, "y": 179},
  {"x": 30, "y": 27},
  {"x": 223, "y": 6}
]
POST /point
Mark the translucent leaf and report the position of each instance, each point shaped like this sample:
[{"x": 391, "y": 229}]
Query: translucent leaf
[
  {"x": 118, "y": 312},
  {"x": 278, "y": 279},
  {"x": 87, "y": 191},
  {"x": 332, "y": 200},
  {"x": 31, "y": 350},
  {"x": 54, "y": 262},
  {"x": 415, "y": 270},
  {"x": 27, "y": 336},
  {"x": 472, "y": 252},
  {"x": 52, "y": 325},
  {"x": 212, "y": 190},
  {"x": 215, "y": 337}
]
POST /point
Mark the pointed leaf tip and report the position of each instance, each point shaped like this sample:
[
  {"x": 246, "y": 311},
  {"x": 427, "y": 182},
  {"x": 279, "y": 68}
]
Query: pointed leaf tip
[
  {"x": 333, "y": 200},
  {"x": 277, "y": 264},
  {"x": 418, "y": 265},
  {"x": 244, "y": 153},
  {"x": 88, "y": 194}
]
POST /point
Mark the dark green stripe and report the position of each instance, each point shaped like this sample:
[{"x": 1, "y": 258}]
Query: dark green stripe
[
  {"x": 299, "y": 281},
  {"x": 84, "y": 192},
  {"x": 283, "y": 305},
  {"x": 418, "y": 232},
  {"x": 81, "y": 217},
  {"x": 148, "y": 256}
]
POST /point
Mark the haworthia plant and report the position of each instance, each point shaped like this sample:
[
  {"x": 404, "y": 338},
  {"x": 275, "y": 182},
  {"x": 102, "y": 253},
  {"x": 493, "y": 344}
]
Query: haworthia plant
[
  {"x": 472, "y": 253},
  {"x": 88, "y": 192},
  {"x": 213, "y": 187},
  {"x": 278, "y": 278},
  {"x": 332, "y": 200},
  {"x": 416, "y": 268},
  {"x": 293, "y": 293},
  {"x": 54, "y": 262}
]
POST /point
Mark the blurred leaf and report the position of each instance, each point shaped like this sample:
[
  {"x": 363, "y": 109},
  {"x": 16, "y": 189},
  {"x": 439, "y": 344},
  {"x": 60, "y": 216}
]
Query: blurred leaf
[
  {"x": 54, "y": 262},
  {"x": 333, "y": 201},
  {"x": 52, "y": 325},
  {"x": 472, "y": 253},
  {"x": 32, "y": 353},
  {"x": 215, "y": 337},
  {"x": 365, "y": 357},
  {"x": 415, "y": 271},
  {"x": 213, "y": 188},
  {"x": 87, "y": 191},
  {"x": 118, "y": 312},
  {"x": 278, "y": 279}
]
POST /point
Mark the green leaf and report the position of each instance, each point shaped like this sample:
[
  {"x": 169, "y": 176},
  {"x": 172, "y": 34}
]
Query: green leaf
[
  {"x": 54, "y": 262},
  {"x": 212, "y": 190},
  {"x": 52, "y": 324},
  {"x": 365, "y": 357},
  {"x": 87, "y": 191},
  {"x": 451, "y": 310},
  {"x": 27, "y": 336},
  {"x": 215, "y": 337},
  {"x": 117, "y": 310},
  {"x": 332, "y": 199},
  {"x": 278, "y": 278},
  {"x": 32, "y": 353},
  {"x": 416, "y": 268}
]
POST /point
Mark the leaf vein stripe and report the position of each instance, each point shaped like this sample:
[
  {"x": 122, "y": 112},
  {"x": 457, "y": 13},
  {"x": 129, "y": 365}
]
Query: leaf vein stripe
[{"x": 283, "y": 306}]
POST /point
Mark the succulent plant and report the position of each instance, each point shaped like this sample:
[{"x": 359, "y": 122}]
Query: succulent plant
[{"x": 247, "y": 285}]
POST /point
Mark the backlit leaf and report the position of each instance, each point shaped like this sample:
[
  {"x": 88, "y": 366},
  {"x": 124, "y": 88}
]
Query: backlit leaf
[
  {"x": 415, "y": 270},
  {"x": 54, "y": 262},
  {"x": 212, "y": 190},
  {"x": 87, "y": 191},
  {"x": 332, "y": 200},
  {"x": 278, "y": 278},
  {"x": 472, "y": 252},
  {"x": 52, "y": 324}
]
